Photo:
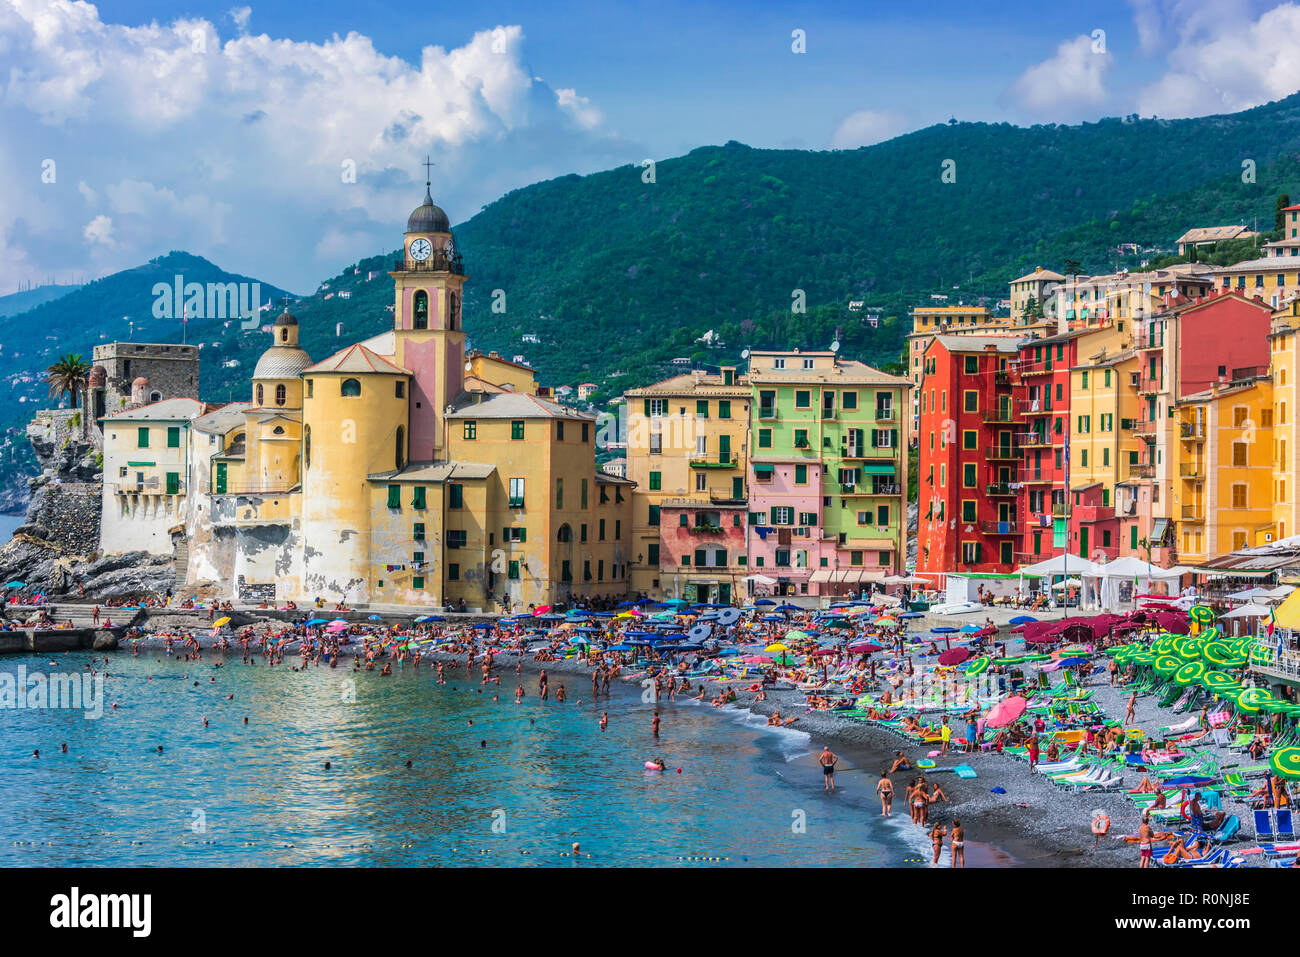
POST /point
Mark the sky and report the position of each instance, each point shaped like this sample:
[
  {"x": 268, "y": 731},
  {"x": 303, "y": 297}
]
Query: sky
[{"x": 284, "y": 140}]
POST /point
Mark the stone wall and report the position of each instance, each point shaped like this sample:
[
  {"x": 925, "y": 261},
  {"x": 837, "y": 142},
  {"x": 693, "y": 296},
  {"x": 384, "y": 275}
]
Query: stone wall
[{"x": 66, "y": 514}]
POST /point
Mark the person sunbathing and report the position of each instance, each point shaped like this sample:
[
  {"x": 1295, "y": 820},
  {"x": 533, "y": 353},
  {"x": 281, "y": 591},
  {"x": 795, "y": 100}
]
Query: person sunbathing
[
  {"x": 938, "y": 794},
  {"x": 1145, "y": 786},
  {"x": 1181, "y": 851},
  {"x": 1160, "y": 803},
  {"x": 900, "y": 763}
]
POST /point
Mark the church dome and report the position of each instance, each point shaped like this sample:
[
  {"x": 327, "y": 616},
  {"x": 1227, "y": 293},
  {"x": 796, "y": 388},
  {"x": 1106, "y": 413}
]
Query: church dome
[
  {"x": 428, "y": 218},
  {"x": 281, "y": 362},
  {"x": 286, "y": 318}
]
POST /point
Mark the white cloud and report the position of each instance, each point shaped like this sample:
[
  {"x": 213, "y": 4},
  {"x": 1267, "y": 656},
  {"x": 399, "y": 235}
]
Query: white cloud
[
  {"x": 99, "y": 230},
  {"x": 234, "y": 148},
  {"x": 1227, "y": 63},
  {"x": 1071, "y": 81},
  {"x": 866, "y": 127}
]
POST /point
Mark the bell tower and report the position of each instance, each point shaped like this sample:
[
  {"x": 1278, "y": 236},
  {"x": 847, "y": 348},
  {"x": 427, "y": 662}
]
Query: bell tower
[{"x": 430, "y": 340}]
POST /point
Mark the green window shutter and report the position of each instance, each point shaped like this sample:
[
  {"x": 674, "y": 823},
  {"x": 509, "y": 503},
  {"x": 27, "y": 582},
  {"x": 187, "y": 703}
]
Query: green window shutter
[
  {"x": 724, "y": 409},
  {"x": 417, "y": 532},
  {"x": 417, "y": 582},
  {"x": 173, "y": 483},
  {"x": 652, "y": 555},
  {"x": 417, "y": 499},
  {"x": 142, "y": 437},
  {"x": 457, "y": 496},
  {"x": 654, "y": 514},
  {"x": 516, "y": 429},
  {"x": 682, "y": 520},
  {"x": 173, "y": 437},
  {"x": 647, "y": 408},
  {"x": 893, "y": 438},
  {"x": 394, "y": 496}
]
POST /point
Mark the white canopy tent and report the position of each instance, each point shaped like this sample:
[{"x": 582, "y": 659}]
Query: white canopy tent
[
  {"x": 1068, "y": 566},
  {"x": 1247, "y": 611},
  {"x": 1133, "y": 570}
]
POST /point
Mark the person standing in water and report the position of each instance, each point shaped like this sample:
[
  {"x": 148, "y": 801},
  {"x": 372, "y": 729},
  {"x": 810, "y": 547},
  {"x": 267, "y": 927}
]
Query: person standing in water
[
  {"x": 827, "y": 760},
  {"x": 958, "y": 844},
  {"x": 885, "y": 788}
]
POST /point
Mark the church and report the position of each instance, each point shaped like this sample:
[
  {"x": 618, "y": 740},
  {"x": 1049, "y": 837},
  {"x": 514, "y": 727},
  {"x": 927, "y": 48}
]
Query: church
[{"x": 401, "y": 470}]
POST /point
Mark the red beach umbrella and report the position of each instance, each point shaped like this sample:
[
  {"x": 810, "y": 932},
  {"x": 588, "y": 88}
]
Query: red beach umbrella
[
  {"x": 954, "y": 657},
  {"x": 1005, "y": 712}
]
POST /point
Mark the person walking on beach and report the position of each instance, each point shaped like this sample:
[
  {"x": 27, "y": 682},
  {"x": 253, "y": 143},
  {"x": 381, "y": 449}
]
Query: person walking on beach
[
  {"x": 945, "y": 732},
  {"x": 885, "y": 788},
  {"x": 1032, "y": 745},
  {"x": 827, "y": 761},
  {"x": 1130, "y": 714},
  {"x": 958, "y": 844}
]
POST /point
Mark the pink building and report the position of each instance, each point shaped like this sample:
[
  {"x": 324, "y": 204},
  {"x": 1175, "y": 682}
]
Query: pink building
[{"x": 785, "y": 540}]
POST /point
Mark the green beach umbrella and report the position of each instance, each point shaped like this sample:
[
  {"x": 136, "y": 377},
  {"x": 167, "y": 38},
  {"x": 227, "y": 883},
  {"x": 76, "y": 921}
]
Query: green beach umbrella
[
  {"x": 1253, "y": 699},
  {"x": 1213, "y": 633},
  {"x": 1217, "y": 653},
  {"x": 1285, "y": 762},
  {"x": 1190, "y": 649},
  {"x": 977, "y": 666},
  {"x": 1218, "y": 681},
  {"x": 1189, "y": 673},
  {"x": 1202, "y": 614},
  {"x": 1167, "y": 664}
]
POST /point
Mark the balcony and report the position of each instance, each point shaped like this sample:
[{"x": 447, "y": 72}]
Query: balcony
[
  {"x": 1192, "y": 431},
  {"x": 1003, "y": 452},
  {"x": 1032, "y": 407},
  {"x": 1148, "y": 384},
  {"x": 148, "y": 487},
  {"x": 1265, "y": 659},
  {"x": 1036, "y": 478},
  {"x": 999, "y": 415},
  {"x": 886, "y": 488},
  {"x": 886, "y": 415},
  {"x": 1058, "y": 511},
  {"x": 1193, "y": 513},
  {"x": 1146, "y": 427},
  {"x": 867, "y": 452},
  {"x": 999, "y": 528},
  {"x": 720, "y": 461},
  {"x": 1141, "y": 472},
  {"x": 1191, "y": 471},
  {"x": 1000, "y": 489},
  {"x": 1035, "y": 440},
  {"x": 254, "y": 488}
]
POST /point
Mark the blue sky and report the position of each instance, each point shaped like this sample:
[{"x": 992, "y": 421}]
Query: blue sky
[{"x": 221, "y": 128}]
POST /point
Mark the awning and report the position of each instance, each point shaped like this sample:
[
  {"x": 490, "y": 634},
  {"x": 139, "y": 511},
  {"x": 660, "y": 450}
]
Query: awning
[
  {"x": 760, "y": 579},
  {"x": 877, "y": 470},
  {"x": 141, "y": 465},
  {"x": 764, "y": 469},
  {"x": 821, "y": 575},
  {"x": 1159, "y": 529}
]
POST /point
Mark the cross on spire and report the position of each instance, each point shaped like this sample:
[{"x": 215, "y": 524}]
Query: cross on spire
[{"x": 428, "y": 164}]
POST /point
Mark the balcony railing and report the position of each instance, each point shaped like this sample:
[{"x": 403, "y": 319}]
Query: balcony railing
[
  {"x": 1148, "y": 383},
  {"x": 1193, "y": 513},
  {"x": 1192, "y": 430},
  {"x": 438, "y": 261},
  {"x": 254, "y": 488},
  {"x": 1267, "y": 660},
  {"x": 1058, "y": 511},
  {"x": 148, "y": 487},
  {"x": 1141, "y": 471},
  {"x": 767, "y": 412},
  {"x": 1035, "y": 440},
  {"x": 999, "y": 415},
  {"x": 999, "y": 528},
  {"x": 720, "y": 461},
  {"x": 886, "y": 415},
  {"x": 1003, "y": 451},
  {"x": 1191, "y": 470},
  {"x": 1001, "y": 488}
]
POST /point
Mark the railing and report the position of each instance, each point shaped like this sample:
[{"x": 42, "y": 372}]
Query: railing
[
  {"x": 869, "y": 452},
  {"x": 1141, "y": 471},
  {"x": 1003, "y": 451},
  {"x": 1035, "y": 440},
  {"x": 999, "y": 528},
  {"x": 1058, "y": 511},
  {"x": 886, "y": 415},
  {"x": 148, "y": 487},
  {"x": 1266, "y": 660},
  {"x": 767, "y": 412},
  {"x": 1000, "y": 488},
  {"x": 233, "y": 488},
  {"x": 1191, "y": 470},
  {"x": 1148, "y": 383},
  {"x": 721, "y": 461},
  {"x": 887, "y": 488},
  {"x": 1192, "y": 513},
  {"x": 1146, "y": 427},
  {"x": 438, "y": 261},
  {"x": 1249, "y": 372},
  {"x": 1032, "y": 407},
  {"x": 1191, "y": 430},
  {"x": 999, "y": 415}
]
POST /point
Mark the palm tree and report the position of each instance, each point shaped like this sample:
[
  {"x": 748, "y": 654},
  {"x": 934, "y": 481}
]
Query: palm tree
[{"x": 70, "y": 376}]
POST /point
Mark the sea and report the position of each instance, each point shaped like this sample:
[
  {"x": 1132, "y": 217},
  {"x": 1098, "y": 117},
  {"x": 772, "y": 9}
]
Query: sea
[
  {"x": 193, "y": 765},
  {"x": 8, "y": 523}
]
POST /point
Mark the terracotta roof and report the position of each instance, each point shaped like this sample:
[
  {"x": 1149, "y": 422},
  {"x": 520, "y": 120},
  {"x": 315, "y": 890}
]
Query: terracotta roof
[
  {"x": 1041, "y": 274},
  {"x": 168, "y": 409},
  {"x": 357, "y": 358},
  {"x": 1210, "y": 234},
  {"x": 513, "y": 405},
  {"x": 846, "y": 372}
]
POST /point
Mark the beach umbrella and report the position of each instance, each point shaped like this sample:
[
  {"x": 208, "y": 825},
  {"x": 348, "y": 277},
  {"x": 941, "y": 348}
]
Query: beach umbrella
[
  {"x": 1187, "y": 781},
  {"x": 788, "y": 607},
  {"x": 764, "y": 601},
  {"x": 1189, "y": 673},
  {"x": 756, "y": 660},
  {"x": 912, "y": 614},
  {"x": 886, "y": 620},
  {"x": 796, "y": 635},
  {"x": 317, "y": 621},
  {"x": 1285, "y": 762},
  {"x": 1253, "y": 699},
  {"x": 771, "y": 618},
  {"x": 538, "y": 612},
  {"x": 977, "y": 666},
  {"x": 954, "y": 657},
  {"x": 1202, "y": 614},
  {"x": 1023, "y": 619},
  {"x": 1005, "y": 712},
  {"x": 221, "y": 621},
  {"x": 821, "y": 652},
  {"x": 16, "y": 585},
  {"x": 865, "y": 648},
  {"x": 971, "y": 628},
  {"x": 776, "y": 646}
]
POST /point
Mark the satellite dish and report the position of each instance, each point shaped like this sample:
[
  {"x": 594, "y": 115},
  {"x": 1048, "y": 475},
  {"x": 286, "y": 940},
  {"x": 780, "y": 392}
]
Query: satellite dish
[
  {"x": 728, "y": 616},
  {"x": 744, "y": 353},
  {"x": 835, "y": 346},
  {"x": 700, "y": 632},
  {"x": 469, "y": 367}
]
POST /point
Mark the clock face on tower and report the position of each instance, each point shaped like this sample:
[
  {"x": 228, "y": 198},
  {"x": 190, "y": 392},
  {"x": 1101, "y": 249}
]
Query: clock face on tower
[{"x": 420, "y": 249}]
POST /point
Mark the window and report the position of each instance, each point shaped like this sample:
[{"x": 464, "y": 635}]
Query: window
[
  {"x": 417, "y": 531},
  {"x": 654, "y": 515},
  {"x": 261, "y": 394},
  {"x": 559, "y": 431},
  {"x": 1239, "y": 454},
  {"x": 281, "y": 395},
  {"x": 972, "y": 365},
  {"x": 586, "y": 432},
  {"x": 142, "y": 437},
  {"x": 559, "y": 492},
  {"x": 970, "y": 401},
  {"x": 471, "y": 429},
  {"x": 801, "y": 475},
  {"x": 513, "y": 533},
  {"x": 456, "y": 537},
  {"x": 764, "y": 438},
  {"x": 399, "y": 455},
  {"x": 782, "y": 515},
  {"x": 173, "y": 483},
  {"x": 970, "y": 440},
  {"x": 455, "y": 496},
  {"x": 417, "y": 497},
  {"x": 1239, "y": 496},
  {"x": 724, "y": 408},
  {"x": 516, "y": 493},
  {"x": 801, "y": 438},
  {"x": 583, "y": 494},
  {"x": 517, "y": 430},
  {"x": 968, "y": 510},
  {"x": 802, "y": 399},
  {"x": 656, "y": 481},
  {"x": 420, "y": 312},
  {"x": 417, "y": 582},
  {"x": 394, "y": 496},
  {"x": 453, "y": 573},
  {"x": 513, "y": 571},
  {"x": 702, "y": 408},
  {"x": 399, "y": 389},
  {"x": 350, "y": 388},
  {"x": 849, "y": 401},
  {"x": 968, "y": 475},
  {"x": 310, "y": 387},
  {"x": 855, "y": 558},
  {"x": 882, "y": 514}
]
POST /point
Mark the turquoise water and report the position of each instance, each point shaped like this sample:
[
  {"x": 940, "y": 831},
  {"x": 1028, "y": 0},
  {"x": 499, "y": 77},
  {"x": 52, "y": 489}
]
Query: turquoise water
[{"x": 515, "y": 788}]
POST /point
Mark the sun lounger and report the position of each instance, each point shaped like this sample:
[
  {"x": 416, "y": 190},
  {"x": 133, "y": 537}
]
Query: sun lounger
[{"x": 1263, "y": 827}]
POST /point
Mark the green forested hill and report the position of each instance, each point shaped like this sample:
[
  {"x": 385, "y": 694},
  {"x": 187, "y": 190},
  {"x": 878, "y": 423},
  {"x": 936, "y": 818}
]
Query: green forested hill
[{"x": 615, "y": 274}]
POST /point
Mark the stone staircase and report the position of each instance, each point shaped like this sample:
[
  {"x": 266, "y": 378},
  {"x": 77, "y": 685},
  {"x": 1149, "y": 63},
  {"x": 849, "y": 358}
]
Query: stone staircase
[{"x": 181, "y": 556}]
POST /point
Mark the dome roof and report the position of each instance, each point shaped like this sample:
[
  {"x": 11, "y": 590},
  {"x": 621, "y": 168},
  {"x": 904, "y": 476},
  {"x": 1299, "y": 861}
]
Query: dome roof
[
  {"x": 428, "y": 218},
  {"x": 281, "y": 362},
  {"x": 286, "y": 318}
]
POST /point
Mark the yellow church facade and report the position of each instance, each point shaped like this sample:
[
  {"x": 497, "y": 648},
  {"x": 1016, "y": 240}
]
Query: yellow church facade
[{"x": 401, "y": 470}]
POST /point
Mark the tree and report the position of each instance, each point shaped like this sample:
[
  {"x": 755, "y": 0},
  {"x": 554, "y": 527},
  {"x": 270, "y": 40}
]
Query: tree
[
  {"x": 1279, "y": 218},
  {"x": 69, "y": 376}
]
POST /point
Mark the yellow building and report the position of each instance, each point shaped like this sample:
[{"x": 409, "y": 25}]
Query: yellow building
[
  {"x": 1104, "y": 448},
  {"x": 1224, "y": 469},
  {"x": 687, "y": 442},
  {"x": 402, "y": 471},
  {"x": 1127, "y": 296},
  {"x": 1284, "y": 363}
]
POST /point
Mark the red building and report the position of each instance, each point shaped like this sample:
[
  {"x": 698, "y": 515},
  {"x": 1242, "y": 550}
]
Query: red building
[
  {"x": 970, "y": 456},
  {"x": 702, "y": 549},
  {"x": 1040, "y": 382}
]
